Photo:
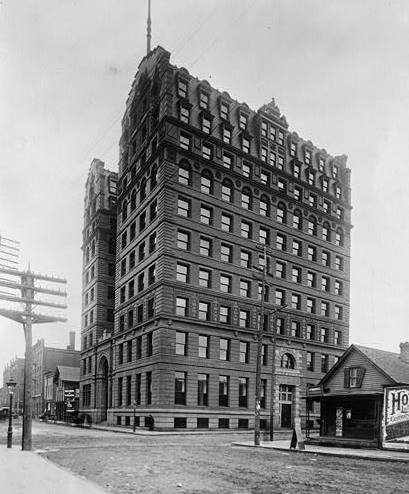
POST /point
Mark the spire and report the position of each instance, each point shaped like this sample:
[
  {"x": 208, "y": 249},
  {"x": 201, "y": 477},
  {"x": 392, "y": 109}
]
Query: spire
[{"x": 148, "y": 32}]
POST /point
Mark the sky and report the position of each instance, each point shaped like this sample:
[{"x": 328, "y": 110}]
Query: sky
[{"x": 337, "y": 69}]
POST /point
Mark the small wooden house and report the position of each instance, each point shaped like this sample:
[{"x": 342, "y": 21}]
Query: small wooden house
[{"x": 352, "y": 394}]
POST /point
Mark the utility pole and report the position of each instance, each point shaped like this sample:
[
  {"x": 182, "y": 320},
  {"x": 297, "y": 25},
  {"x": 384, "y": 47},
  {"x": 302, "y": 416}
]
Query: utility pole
[{"x": 24, "y": 282}]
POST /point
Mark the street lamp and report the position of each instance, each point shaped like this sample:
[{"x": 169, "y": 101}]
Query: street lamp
[
  {"x": 134, "y": 414},
  {"x": 11, "y": 384}
]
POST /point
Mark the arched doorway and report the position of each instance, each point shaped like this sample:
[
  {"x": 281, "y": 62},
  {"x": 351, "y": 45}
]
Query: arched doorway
[{"x": 102, "y": 387}]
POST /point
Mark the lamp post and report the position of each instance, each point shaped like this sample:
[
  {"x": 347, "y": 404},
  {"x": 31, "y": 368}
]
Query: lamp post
[
  {"x": 11, "y": 384},
  {"x": 134, "y": 415}
]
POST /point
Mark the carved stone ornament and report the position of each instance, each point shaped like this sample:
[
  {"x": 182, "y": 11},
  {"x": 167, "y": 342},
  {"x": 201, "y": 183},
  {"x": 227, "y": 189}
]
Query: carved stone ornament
[{"x": 271, "y": 108}]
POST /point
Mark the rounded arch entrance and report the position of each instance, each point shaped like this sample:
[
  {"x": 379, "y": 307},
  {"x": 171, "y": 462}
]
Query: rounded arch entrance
[{"x": 102, "y": 388}]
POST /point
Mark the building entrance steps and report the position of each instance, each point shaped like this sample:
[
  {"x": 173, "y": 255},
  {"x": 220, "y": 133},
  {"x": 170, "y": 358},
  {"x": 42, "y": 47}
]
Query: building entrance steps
[
  {"x": 362, "y": 453},
  {"x": 25, "y": 472}
]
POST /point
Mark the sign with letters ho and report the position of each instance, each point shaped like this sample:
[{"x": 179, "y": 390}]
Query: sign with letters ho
[{"x": 396, "y": 413}]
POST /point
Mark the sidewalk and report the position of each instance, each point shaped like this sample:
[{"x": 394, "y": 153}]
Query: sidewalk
[
  {"x": 25, "y": 472},
  {"x": 368, "y": 454}
]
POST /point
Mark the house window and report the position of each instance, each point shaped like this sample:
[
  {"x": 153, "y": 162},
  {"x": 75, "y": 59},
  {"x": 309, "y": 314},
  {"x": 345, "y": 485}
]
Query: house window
[
  {"x": 181, "y": 343},
  {"x": 225, "y": 283},
  {"x": 224, "y": 353},
  {"x": 206, "y": 124},
  {"x": 152, "y": 242},
  {"x": 183, "y": 207},
  {"x": 338, "y": 287},
  {"x": 224, "y": 314},
  {"x": 311, "y": 279},
  {"x": 183, "y": 240},
  {"x": 280, "y": 242},
  {"x": 339, "y": 237},
  {"x": 311, "y": 253},
  {"x": 226, "y": 253},
  {"x": 227, "y": 160},
  {"x": 243, "y": 391},
  {"x": 281, "y": 213},
  {"x": 223, "y": 391},
  {"x": 324, "y": 363},
  {"x": 202, "y": 389},
  {"x": 273, "y": 133},
  {"x": 325, "y": 258},
  {"x": 245, "y": 229},
  {"x": 325, "y": 284},
  {"x": 245, "y": 144},
  {"x": 310, "y": 332},
  {"x": 312, "y": 199},
  {"x": 264, "y": 128},
  {"x": 337, "y": 337},
  {"x": 293, "y": 149},
  {"x": 206, "y": 215},
  {"x": 338, "y": 312},
  {"x": 296, "y": 275},
  {"x": 184, "y": 141},
  {"x": 227, "y": 191},
  {"x": 203, "y": 346},
  {"x": 184, "y": 174},
  {"x": 182, "y": 88},
  {"x": 264, "y": 178},
  {"x": 338, "y": 192},
  {"x": 205, "y": 247},
  {"x": 204, "y": 311},
  {"x": 325, "y": 309},
  {"x": 204, "y": 278},
  {"x": 264, "y": 236},
  {"x": 245, "y": 259},
  {"x": 246, "y": 202},
  {"x": 180, "y": 388},
  {"x": 207, "y": 151},
  {"x": 226, "y": 135},
  {"x": 264, "y": 354},
  {"x": 244, "y": 352},
  {"x": 264, "y": 206},
  {"x": 312, "y": 226},
  {"x": 339, "y": 263},
  {"x": 307, "y": 156},
  {"x": 273, "y": 158},
  {"x": 224, "y": 111},
  {"x": 243, "y": 120},
  {"x": 353, "y": 377},
  {"x": 321, "y": 164},
  {"x": 264, "y": 154},
  {"x": 206, "y": 182},
  {"x": 310, "y": 361},
  {"x": 297, "y": 251},
  {"x": 327, "y": 206},
  {"x": 204, "y": 100},
  {"x": 280, "y": 138},
  {"x": 244, "y": 318},
  {"x": 244, "y": 288},
  {"x": 280, "y": 270},
  {"x": 226, "y": 222},
  {"x": 184, "y": 114},
  {"x": 182, "y": 272},
  {"x": 279, "y": 297},
  {"x": 326, "y": 232},
  {"x": 311, "y": 305},
  {"x": 297, "y": 220},
  {"x": 295, "y": 329},
  {"x": 296, "y": 301},
  {"x": 287, "y": 361},
  {"x": 181, "y": 306}
]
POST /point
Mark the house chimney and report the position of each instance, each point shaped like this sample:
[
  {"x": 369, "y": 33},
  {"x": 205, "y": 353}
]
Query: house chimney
[
  {"x": 404, "y": 352},
  {"x": 71, "y": 346}
]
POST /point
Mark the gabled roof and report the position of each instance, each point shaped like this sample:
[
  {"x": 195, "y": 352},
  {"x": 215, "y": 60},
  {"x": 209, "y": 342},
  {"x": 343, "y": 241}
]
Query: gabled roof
[
  {"x": 389, "y": 363},
  {"x": 70, "y": 374}
]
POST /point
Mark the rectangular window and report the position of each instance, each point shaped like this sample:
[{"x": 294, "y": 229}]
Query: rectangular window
[
  {"x": 120, "y": 391},
  {"x": 207, "y": 151},
  {"x": 206, "y": 125},
  {"x": 324, "y": 335},
  {"x": 296, "y": 275},
  {"x": 180, "y": 388},
  {"x": 310, "y": 361},
  {"x": 224, "y": 110},
  {"x": 244, "y": 318},
  {"x": 264, "y": 354},
  {"x": 339, "y": 263},
  {"x": 181, "y": 306},
  {"x": 243, "y": 391},
  {"x": 204, "y": 278},
  {"x": 324, "y": 363},
  {"x": 280, "y": 326},
  {"x": 223, "y": 391},
  {"x": 226, "y": 253},
  {"x": 264, "y": 236},
  {"x": 297, "y": 251},
  {"x": 296, "y": 301},
  {"x": 311, "y": 279},
  {"x": 311, "y": 305},
  {"x": 128, "y": 389},
  {"x": 325, "y": 258},
  {"x": 226, "y": 135},
  {"x": 337, "y": 337},
  {"x": 280, "y": 242},
  {"x": 310, "y": 332},
  {"x": 224, "y": 314},
  {"x": 279, "y": 297},
  {"x": 204, "y": 346},
  {"x": 138, "y": 389},
  {"x": 184, "y": 114},
  {"x": 325, "y": 309},
  {"x": 182, "y": 88},
  {"x": 226, "y": 222},
  {"x": 202, "y": 389},
  {"x": 206, "y": 215},
  {"x": 204, "y": 311},
  {"x": 245, "y": 259},
  {"x": 181, "y": 343},
  {"x": 245, "y": 290},
  {"x": 183, "y": 240},
  {"x": 280, "y": 270},
  {"x": 152, "y": 242},
  {"x": 245, "y": 229},
  {"x": 204, "y": 101},
  {"x": 184, "y": 207},
  {"x": 225, "y": 283},
  {"x": 182, "y": 272},
  {"x": 184, "y": 141},
  {"x": 224, "y": 349},
  {"x": 244, "y": 352},
  {"x": 338, "y": 312},
  {"x": 227, "y": 160},
  {"x": 296, "y": 329},
  {"x": 205, "y": 247},
  {"x": 311, "y": 253},
  {"x": 245, "y": 144}
]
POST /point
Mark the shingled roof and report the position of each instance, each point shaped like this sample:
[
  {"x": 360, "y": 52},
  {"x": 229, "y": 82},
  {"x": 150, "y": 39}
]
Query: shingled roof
[
  {"x": 390, "y": 362},
  {"x": 68, "y": 374}
]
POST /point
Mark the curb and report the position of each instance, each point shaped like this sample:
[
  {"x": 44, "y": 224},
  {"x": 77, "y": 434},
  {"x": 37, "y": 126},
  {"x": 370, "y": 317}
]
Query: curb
[{"x": 327, "y": 453}]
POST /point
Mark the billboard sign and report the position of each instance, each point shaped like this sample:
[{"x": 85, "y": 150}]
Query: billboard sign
[{"x": 396, "y": 413}]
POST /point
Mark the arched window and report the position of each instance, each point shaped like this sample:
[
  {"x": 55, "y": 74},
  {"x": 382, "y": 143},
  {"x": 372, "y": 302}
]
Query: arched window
[
  {"x": 339, "y": 237},
  {"x": 227, "y": 190},
  {"x": 281, "y": 213},
  {"x": 312, "y": 225},
  {"x": 297, "y": 219},
  {"x": 143, "y": 189},
  {"x": 287, "y": 361},
  {"x": 154, "y": 177},
  {"x": 206, "y": 182},
  {"x": 184, "y": 174},
  {"x": 246, "y": 198},
  {"x": 264, "y": 206},
  {"x": 326, "y": 232},
  {"x": 133, "y": 200},
  {"x": 124, "y": 210}
]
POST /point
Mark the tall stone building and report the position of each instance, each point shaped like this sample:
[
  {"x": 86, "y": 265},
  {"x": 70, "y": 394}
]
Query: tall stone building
[
  {"x": 98, "y": 289},
  {"x": 203, "y": 182}
]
